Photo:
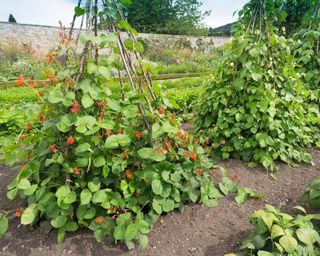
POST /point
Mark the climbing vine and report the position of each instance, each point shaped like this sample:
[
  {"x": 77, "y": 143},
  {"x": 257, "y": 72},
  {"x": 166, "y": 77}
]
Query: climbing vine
[
  {"x": 88, "y": 157},
  {"x": 307, "y": 50},
  {"x": 254, "y": 107}
]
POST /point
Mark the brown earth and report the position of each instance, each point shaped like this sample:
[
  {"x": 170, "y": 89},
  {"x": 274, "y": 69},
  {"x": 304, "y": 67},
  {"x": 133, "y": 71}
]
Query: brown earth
[{"x": 198, "y": 230}]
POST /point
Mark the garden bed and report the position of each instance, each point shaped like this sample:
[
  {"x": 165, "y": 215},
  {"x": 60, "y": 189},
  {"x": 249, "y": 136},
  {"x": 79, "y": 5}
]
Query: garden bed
[
  {"x": 198, "y": 230},
  {"x": 160, "y": 77}
]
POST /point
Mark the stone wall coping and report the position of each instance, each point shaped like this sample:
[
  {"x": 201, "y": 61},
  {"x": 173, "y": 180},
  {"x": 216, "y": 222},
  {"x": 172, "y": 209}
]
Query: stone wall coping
[{"x": 147, "y": 34}]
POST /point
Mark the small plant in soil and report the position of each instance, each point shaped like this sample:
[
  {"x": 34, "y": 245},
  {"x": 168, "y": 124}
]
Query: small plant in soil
[
  {"x": 312, "y": 195},
  {"x": 278, "y": 233}
]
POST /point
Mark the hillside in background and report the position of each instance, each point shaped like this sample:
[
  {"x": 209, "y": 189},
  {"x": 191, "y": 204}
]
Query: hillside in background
[{"x": 221, "y": 31}]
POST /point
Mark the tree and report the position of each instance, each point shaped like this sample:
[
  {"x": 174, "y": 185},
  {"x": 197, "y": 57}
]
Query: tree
[
  {"x": 295, "y": 10},
  {"x": 12, "y": 19},
  {"x": 149, "y": 15},
  {"x": 167, "y": 16},
  {"x": 221, "y": 31}
]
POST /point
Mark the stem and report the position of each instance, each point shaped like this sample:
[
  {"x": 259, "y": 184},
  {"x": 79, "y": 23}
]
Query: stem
[
  {"x": 268, "y": 41},
  {"x": 2, "y": 209},
  {"x": 139, "y": 55},
  {"x": 80, "y": 29},
  {"x": 260, "y": 20},
  {"x": 252, "y": 21},
  {"x": 96, "y": 29},
  {"x": 255, "y": 17},
  {"x": 83, "y": 60},
  {"x": 73, "y": 21},
  {"x": 124, "y": 55},
  {"x": 147, "y": 125},
  {"x": 133, "y": 70},
  {"x": 121, "y": 85}
]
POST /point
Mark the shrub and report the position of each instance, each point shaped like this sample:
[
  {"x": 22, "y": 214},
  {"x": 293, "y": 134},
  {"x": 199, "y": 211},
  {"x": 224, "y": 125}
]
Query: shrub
[
  {"x": 163, "y": 56},
  {"x": 21, "y": 67},
  {"x": 17, "y": 60},
  {"x": 13, "y": 51},
  {"x": 183, "y": 43},
  {"x": 12, "y": 19}
]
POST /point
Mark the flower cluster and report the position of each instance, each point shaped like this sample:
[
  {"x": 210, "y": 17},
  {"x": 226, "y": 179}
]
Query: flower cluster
[{"x": 75, "y": 107}]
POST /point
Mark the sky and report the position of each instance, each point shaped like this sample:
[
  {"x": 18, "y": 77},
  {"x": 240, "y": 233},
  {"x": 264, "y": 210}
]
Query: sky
[
  {"x": 222, "y": 11},
  {"x": 49, "y": 12}
]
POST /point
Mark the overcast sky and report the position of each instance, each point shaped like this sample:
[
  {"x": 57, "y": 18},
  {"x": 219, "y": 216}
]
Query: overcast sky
[{"x": 49, "y": 12}]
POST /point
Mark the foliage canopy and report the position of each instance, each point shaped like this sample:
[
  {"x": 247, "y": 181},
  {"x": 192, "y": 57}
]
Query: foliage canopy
[{"x": 179, "y": 17}]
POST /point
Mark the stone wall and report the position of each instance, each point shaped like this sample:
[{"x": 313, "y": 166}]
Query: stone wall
[{"x": 40, "y": 39}]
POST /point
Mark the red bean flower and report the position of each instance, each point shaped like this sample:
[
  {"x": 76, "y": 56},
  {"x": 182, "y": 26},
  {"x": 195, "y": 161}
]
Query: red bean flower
[
  {"x": 42, "y": 118},
  {"x": 161, "y": 110},
  {"x": 53, "y": 149},
  {"x": 20, "y": 81},
  {"x": 75, "y": 110},
  {"x": 129, "y": 174},
  {"x": 160, "y": 151},
  {"x": 235, "y": 178},
  {"x": 100, "y": 220},
  {"x": 193, "y": 156},
  {"x": 138, "y": 135},
  {"x": 198, "y": 172},
  {"x": 51, "y": 56},
  {"x": 108, "y": 133},
  {"x": 75, "y": 104},
  {"x": 125, "y": 154},
  {"x": 70, "y": 140},
  {"x": 53, "y": 79},
  {"x": 28, "y": 127},
  {"x": 18, "y": 213},
  {"x": 75, "y": 107},
  {"x": 76, "y": 171}
]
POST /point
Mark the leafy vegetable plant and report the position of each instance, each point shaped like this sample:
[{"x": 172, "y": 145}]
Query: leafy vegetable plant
[
  {"x": 277, "y": 233},
  {"x": 312, "y": 195}
]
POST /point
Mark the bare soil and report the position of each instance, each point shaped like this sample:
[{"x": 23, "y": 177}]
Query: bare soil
[{"x": 198, "y": 230}]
